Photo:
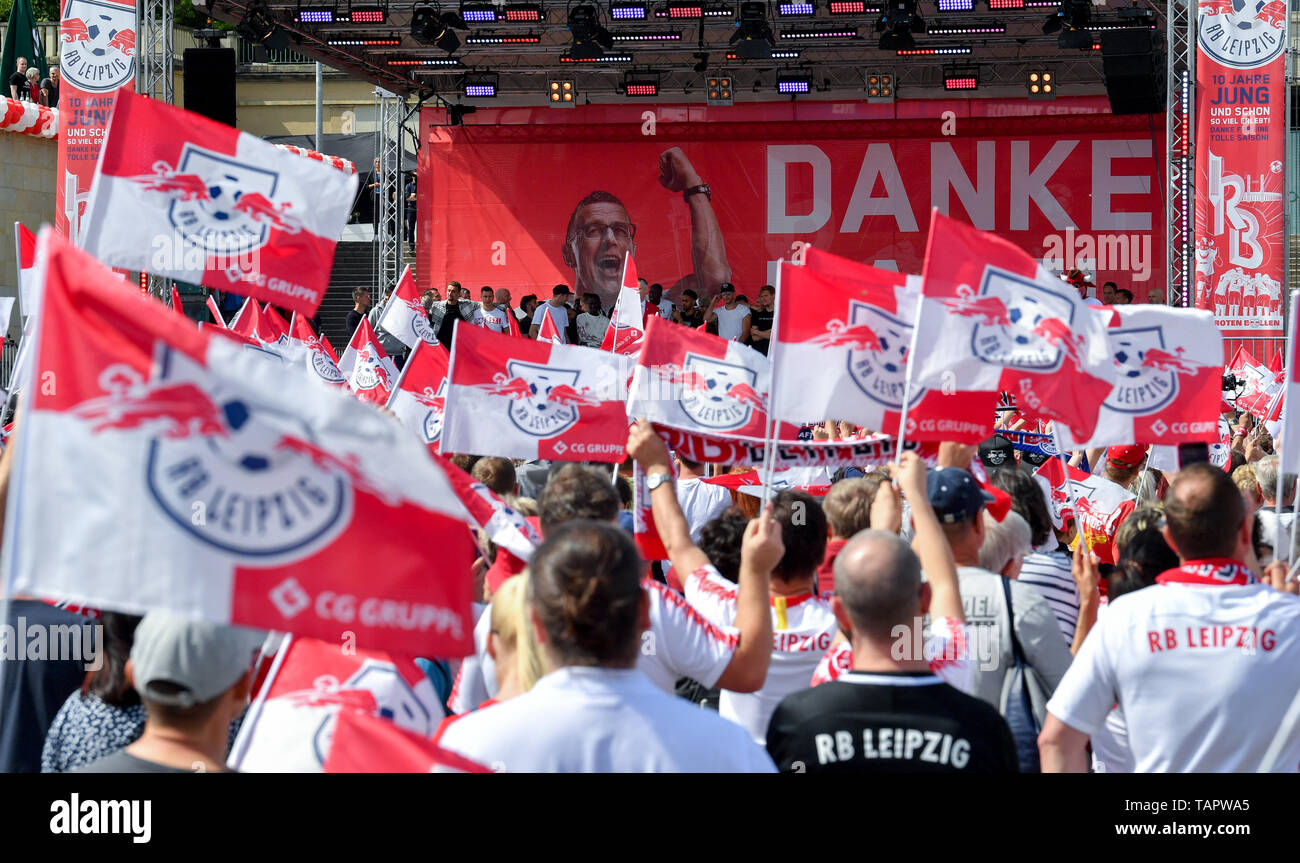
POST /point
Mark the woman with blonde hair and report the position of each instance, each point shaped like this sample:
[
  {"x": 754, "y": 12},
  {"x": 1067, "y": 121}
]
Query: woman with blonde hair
[{"x": 511, "y": 644}]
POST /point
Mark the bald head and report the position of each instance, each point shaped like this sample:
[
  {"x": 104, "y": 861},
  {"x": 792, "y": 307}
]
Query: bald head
[
  {"x": 878, "y": 579},
  {"x": 1204, "y": 513}
]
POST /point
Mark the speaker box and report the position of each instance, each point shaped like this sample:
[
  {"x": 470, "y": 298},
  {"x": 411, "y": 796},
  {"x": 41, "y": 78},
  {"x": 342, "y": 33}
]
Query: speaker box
[
  {"x": 1134, "y": 70},
  {"x": 210, "y": 83}
]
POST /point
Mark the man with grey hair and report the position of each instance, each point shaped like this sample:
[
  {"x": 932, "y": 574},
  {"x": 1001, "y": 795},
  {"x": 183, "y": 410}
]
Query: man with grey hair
[
  {"x": 1275, "y": 528},
  {"x": 891, "y": 713},
  {"x": 1005, "y": 544}
]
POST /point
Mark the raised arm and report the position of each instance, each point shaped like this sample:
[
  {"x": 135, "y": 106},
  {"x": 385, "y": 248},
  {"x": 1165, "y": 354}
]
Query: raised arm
[
  {"x": 708, "y": 253},
  {"x": 928, "y": 541}
]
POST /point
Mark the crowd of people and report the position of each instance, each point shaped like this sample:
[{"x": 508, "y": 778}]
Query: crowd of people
[
  {"x": 908, "y": 618},
  {"x": 26, "y": 85}
]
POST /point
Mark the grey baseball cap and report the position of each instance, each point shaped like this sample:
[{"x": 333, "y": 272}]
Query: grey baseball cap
[{"x": 204, "y": 659}]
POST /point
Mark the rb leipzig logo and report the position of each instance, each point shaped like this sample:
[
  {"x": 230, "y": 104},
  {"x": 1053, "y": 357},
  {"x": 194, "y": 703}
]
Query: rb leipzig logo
[
  {"x": 98, "y": 53},
  {"x": 1148, "y": 373},
  {"x": 1242, "y": 34}
]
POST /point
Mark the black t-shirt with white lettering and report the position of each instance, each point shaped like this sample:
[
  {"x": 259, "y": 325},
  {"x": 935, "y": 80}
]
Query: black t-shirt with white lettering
[
  {"x": 19, "y": 80},
  {"x": 896, "y": 722}
]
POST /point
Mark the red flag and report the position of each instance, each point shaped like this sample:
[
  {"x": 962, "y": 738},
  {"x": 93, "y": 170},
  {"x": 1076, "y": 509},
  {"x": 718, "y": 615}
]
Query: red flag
[
  {"x": 216, "y": 312},
  {"x": 368, "y": 369},
  {"x": 648, "y": 541},
  {"x": 994, "y": 320},
  {"x": 240, "y": 214},
  {"x": 626, "y": 328},
  {"x": 420, "y": 398},
  {"x": 533, "y": 399},
  {"x": 254, "y": 323},
  {"x": 548, "y": 331},
  {"x": 365, "y": 744},
  {"x": 25, "y": 241},
  {"x": 278, "y": 325},
  {"x": 254, "y": 500},
  {"x": 405, "y": 316},
  {"x": 177, "y": 306},
  {"x": 512, "y": 322},
  {"x": 506, "y": 528},
  {"x": 1103, "y": 505},
  {"x": 320, "y": 361}
]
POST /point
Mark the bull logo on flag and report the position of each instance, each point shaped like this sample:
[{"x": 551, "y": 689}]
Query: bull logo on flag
[
  {"x": 322, "y": 365},
  {"x": 1019, "y": 324},
  {"x": 221, "y": 472},
  {"x": 719, "y": 395},
  {"x": 98, "y": 53},
  {"x": 370, "y": 370},
  {"x": 1148, "y": 374},
  {"x": 544, "y": 401},
  {"x": 381, "y": 682},
  {"x": 1242, "y": 34},
  {"x": 878, "y": 345},
  {"x": 436, "y": 402},
  {"x": 220, "y": 205}
]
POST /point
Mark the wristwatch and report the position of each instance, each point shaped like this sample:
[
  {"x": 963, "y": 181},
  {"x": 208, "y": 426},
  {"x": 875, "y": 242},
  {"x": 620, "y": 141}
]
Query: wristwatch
[
  {"x": 693, "y": 190},
  {"x": 654, "y": 480}
]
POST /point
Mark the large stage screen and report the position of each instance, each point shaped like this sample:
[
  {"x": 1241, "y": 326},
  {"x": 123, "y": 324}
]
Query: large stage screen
[{"x": 500, "y": 197}]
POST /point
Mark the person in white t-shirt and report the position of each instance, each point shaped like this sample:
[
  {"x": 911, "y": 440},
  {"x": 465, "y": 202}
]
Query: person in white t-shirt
[
  {"x": 559, "y": 312},
  {"x": 732, "y": 317},
  {"x": 803, "y": 623},
  {"x": 1205, "y": 664},
  {"x": 685, "y": 643},
  {"x": 592, "y": 322},
  {"x": 490, "y": 315},
  {"x": 655, "y": 297},
  {"x": 1274, "y": 527},
  {"x": 701, "y": 501},
  {"x": 596, "y": 712}
]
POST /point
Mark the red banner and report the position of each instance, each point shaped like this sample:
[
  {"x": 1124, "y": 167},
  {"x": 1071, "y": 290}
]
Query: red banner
[
  {"x": 96, "y": 59},
  {"x": 1066, "y": 181},
  {"x": 1240, "y": 153}
]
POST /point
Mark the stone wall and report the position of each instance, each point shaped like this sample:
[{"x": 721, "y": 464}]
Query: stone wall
[{"x": 27, "y": 168}]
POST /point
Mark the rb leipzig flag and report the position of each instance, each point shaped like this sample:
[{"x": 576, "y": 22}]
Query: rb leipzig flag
[
  {"x": 995, "y": 320},
  {"x": 25, "y": 241},
  {"x": 519, "y": 398},
  {"x": 548, "y": 331},
  {"x": 626, "y": 328},
  {"x": 363, "y": 743},
  {"x": 1169, "y": 382},
  {"x": 702, "y": 383},
  {"x": 302, "y": 337},
  {"x": 420, "y": 397},
  {"x": 180, "y": 195},
  {"x": 1103, "y": 505},
  {"x": 369, "y": 371},
  {"x": 845, "y": 330},
  {"x": 291, "y": 722},
  {"x": 177, "y": 306},
  {"x": 256, "y": 324},
  {"x": 405, "y": 316},
  {"x": 174, "y": 468}
]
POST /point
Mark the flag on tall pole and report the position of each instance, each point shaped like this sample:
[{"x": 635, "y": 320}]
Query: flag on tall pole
[{"x": 626, "y": 328}]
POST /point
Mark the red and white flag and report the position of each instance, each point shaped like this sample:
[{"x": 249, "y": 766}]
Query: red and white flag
[
  {"x": 699, "y": 382},
  {"x": 253, "y": 322},
  {"x": 292, "y": 720},
  {"x": 644, "y": 531},
  {"x": 183, "y": 196},
  {"x": 25, "y": 243},
  {"x": 548, "y": 332},
  {"x": 420, "y": 398},
  {"x": 253, "y": 500},
  {"x": 1169, "y": 379},
  {"x": 216, "y": 312},
  {"x": 177, "y": 306},
  {"x": 363, "y": 743},
  {"x": 994, "y": 320},
  {"x": 370, "y": 372},
  {"x": 1103, "y": 505},
  {"x": 317, "y": 359},
  {"x": 844, "y": 331},
  {"x": 532, "y": 399},
  {"x": 506, "y": 528},
  {"x": 278, "y": 324},
  {"x": 405, "y": 316},
  {"x": 626, "y": 328}
]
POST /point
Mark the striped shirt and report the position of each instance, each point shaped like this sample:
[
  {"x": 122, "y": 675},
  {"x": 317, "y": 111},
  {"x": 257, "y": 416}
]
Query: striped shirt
[{"x": 1051, "y": 576}]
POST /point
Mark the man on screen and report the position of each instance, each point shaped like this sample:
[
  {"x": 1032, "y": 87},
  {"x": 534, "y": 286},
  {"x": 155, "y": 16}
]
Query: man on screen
[{"x": 601, "y": 232}]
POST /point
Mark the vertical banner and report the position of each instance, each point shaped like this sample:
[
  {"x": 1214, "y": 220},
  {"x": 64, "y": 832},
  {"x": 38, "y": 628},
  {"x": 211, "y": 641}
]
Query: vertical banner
[
  {"x": 96, "y": 59},
  {"x": 1240, "y": 153}
]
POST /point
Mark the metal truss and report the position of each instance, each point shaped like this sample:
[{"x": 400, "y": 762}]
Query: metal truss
[
  {"x": 154, "y": 76},
  {"x": 388, "y": 117},
  {"x": 1180, "y": 157}
]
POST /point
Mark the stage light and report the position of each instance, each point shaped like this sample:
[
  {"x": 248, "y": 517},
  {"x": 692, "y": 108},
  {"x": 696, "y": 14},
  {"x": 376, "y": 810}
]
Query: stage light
[
  {"x": 315, "y": 15},
  {"x": 504, "y": 39},
  {"x": 796, "y": 10},
  {"x": 779, "y": 54},
  {"x": 1071, "y": 15},
  {"x": 1041, "y": 84},
  {"x": 961, "y": 78},
  {"x": 839, "y": 33},
  {"x": 259, "y": 26},
  {"x": 995, "y": 5},
  {"x": 718, "y": 11},
  {"x": 640, "y": 84},
  {"x": 523, "y": 12},
  {"x": 619, "y": 10},
  {"x": 590, "y": 39},
  {"x": 604, "y": 58},
  {"x": 932, "y": 52},
  {"x": 880, "y": 87},
  {"x": 961, "y": 31},
  {"x": 370, "y": 43},
  {"x": 896, "y": 26},
  {"x": 560, "y": 93},
  {"x": 368, "y": 14},
  {"x": 956, "y": 5},
  {"x": 649, "y": 36},
  {"x": 718, "y": 90},
  {"x": 753, "y": 38},
  {"x": 429, "y": 27},
  {"x": 852, "y": 7},
  {"x": 424, "y": 61},
  {"x": 685, "y": 10},
  {"x": 478, "y": 13},
  {"x": 794, "y": 82},
  {"x": 481, "y": 85}
]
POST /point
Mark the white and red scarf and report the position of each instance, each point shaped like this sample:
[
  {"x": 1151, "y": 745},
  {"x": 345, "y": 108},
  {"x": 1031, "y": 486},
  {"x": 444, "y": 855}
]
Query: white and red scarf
[{"x": 1220, "y": 571}]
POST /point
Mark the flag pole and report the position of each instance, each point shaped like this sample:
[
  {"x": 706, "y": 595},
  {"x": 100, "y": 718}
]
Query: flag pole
[
  {"x": 1281, "y": 471},
  {"x": 1069, "y": 486},
  {"x": 18, "y": 261},
  {"x": 907, "y": 381},
  {"x": 773, "y": 424}
]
